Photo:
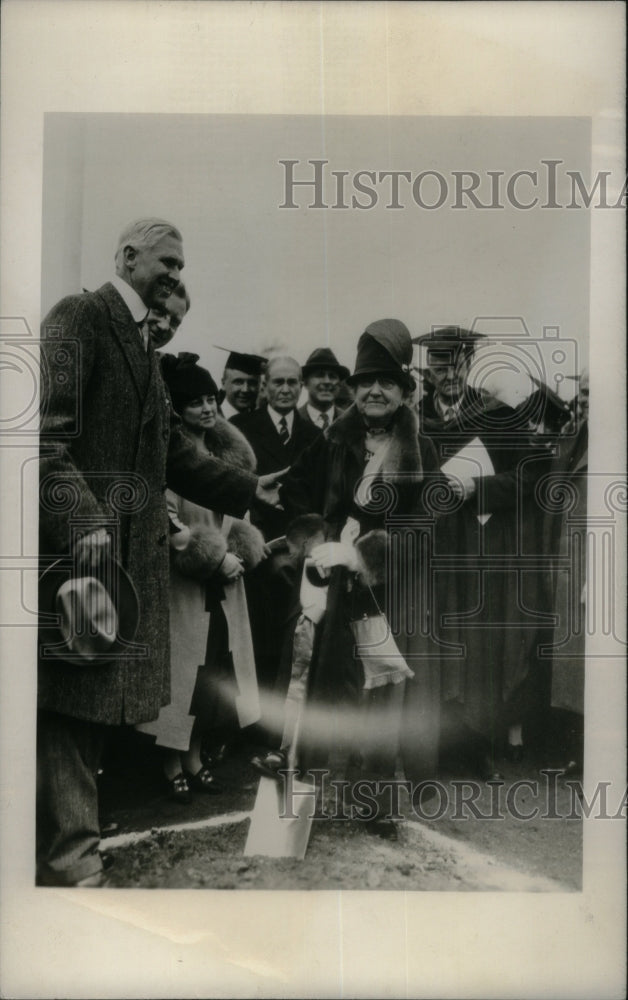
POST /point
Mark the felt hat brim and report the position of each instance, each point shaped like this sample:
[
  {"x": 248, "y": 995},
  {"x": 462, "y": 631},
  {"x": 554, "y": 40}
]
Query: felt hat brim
[{"x": 119, "y": 586}]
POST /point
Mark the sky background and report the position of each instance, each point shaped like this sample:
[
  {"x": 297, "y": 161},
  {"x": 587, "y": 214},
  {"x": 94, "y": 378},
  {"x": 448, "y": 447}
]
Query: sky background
[{"x": 263, "y": 278}]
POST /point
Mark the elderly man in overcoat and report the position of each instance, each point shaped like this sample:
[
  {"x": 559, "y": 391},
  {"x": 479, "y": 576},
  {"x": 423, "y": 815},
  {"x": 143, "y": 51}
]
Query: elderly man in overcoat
[{"x": 110, "y": 446}]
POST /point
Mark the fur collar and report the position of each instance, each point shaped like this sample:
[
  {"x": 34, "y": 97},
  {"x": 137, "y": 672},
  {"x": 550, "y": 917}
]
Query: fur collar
[
  {"x": 403, "y": 455},
  {"x": 227, "y": 443}
]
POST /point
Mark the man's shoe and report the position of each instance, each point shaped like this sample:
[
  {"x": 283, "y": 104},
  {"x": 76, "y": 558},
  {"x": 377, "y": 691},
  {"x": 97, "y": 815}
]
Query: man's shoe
[
  {"x": 487, "y": 771},
  {"x": 270, "y": 763},
  {"x": 96, "y": 881},
  {"x": 384, "y": 828},
  {"x": 108, "y": 860}
]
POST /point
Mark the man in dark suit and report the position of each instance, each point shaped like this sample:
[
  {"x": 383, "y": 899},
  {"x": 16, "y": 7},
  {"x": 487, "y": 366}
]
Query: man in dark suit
[
  {"x": 110, "y": 445},
  {"x": 323, "y": 377},
  {"x": 277, "y": 433}
]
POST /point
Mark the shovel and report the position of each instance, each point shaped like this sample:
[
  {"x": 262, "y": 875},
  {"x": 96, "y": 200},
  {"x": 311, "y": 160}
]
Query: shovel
[{"x": 281, "y": 829}]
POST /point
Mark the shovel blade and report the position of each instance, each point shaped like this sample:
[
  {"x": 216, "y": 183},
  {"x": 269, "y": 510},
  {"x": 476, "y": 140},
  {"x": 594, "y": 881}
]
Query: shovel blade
[{"x": 273, "y": 835}]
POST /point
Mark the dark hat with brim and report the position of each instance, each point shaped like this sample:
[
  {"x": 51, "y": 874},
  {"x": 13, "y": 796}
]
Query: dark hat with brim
[
  {"x": 87, "y": 619},
  {"x": 250, "y": 364},
  {"x": 323, "y": 358},
  {"x": 385, "y": 348}
]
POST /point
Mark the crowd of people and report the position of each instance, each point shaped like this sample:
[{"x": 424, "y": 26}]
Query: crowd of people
[{"x": 372, "y": 566}]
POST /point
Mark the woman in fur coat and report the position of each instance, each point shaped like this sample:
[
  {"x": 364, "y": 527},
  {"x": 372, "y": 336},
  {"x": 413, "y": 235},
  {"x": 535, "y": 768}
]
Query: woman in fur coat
[
  {"x": 368, "y": 477},
  {"x": 214, "y": 685}
]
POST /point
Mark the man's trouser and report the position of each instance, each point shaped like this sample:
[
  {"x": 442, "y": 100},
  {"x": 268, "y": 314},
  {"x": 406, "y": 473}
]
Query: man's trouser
[{"x": 68, "y": 831}]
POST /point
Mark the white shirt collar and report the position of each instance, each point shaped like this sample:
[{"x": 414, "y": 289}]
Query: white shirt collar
[
  {"x": 276, "y": 418},
  {"x": 447, "y": 410},
  {"x": 228, "y": 410},
  {"x": 315, "y": 414},
  {"x": 135, "y": 305}
]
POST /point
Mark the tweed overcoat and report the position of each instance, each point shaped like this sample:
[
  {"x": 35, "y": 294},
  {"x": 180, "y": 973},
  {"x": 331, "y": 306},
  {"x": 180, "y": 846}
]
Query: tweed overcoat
[{"x": 110, "y": 445}]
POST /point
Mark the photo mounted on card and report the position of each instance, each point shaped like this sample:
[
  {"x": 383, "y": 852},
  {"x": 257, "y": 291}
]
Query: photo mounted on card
[{"x": 454, "y": 443}]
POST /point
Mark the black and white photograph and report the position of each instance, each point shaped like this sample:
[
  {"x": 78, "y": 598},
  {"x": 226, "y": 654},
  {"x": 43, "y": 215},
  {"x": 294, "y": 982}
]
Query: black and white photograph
[{"x": 319, "y": 584}]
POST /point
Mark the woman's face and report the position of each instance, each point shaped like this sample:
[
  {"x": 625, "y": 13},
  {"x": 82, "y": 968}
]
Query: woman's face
[
  {"x": 377, "y": 398},
  {"x": 200, "y": 413}
]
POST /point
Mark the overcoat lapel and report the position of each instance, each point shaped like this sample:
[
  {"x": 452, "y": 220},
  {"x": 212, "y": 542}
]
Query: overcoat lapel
[
  {"x": 125, "y": 330},
  {"x": 156, "y": 394}
]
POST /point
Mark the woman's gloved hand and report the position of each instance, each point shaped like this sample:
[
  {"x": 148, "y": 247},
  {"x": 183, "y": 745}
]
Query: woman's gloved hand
[
  {"x": 231, "y": 568},
  {"x": 331, "y": 554}
]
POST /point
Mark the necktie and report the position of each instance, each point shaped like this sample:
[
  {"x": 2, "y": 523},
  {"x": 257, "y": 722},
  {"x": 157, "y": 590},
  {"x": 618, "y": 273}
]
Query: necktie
[
  {"x": 142, "y": 329},
  {"x": 324, "y": 421},
  {"x": 284, "y": 433}
]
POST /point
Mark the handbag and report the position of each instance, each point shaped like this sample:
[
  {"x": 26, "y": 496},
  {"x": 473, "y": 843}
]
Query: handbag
[{"x": 376, "y": 647}]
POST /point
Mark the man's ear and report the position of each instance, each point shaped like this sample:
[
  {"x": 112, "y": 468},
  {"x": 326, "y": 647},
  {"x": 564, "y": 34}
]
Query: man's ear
[{"x": 130, "y": 256}]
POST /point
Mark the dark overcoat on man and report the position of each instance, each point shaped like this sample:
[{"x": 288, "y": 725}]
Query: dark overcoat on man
[
  {"x": 492, "y": 581},
  {"x": 110, "y": 446},
  {"x": 565, "y": 500},
  {"x": 333, "y": 413},
  {"x": 268, "y": 588}
]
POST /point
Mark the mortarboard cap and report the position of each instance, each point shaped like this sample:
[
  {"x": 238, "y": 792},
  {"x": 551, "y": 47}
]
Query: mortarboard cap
[
  {"x": 251, "y": 364},
  {"x": 448, "y": 337}
]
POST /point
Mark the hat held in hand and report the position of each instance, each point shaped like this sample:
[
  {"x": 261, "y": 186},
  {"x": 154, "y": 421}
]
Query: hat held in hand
[{"x": 87, "y": 619}]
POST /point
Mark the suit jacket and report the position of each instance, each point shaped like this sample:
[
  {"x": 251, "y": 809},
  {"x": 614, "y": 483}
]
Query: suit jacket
[
  {"x": 272, "y": 455},
  {"x": 335, "y": 413},
  {"x": 110, "y": 445}
]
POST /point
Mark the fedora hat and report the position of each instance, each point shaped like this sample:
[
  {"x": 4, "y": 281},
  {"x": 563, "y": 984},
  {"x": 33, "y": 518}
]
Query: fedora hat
[
  {"x": 86, "y": 619},
  {"x": 324, "y": 357}
]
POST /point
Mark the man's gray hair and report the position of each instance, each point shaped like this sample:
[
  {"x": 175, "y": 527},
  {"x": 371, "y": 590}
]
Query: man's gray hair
[
  {"x": 143, "y": 234},
  {"x": 283, "y": 359}
]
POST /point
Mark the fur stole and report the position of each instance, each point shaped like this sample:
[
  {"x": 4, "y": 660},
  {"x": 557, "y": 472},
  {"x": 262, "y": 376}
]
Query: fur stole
[
  {"x": 246, "y": 542},
  {"x": 207, "y": 546},
  {"x": 373, "y": 552},
  {"x": 403, "y": 454},
  {"x": 228, "y": 444},
  {"x": 203, "y": 554}
]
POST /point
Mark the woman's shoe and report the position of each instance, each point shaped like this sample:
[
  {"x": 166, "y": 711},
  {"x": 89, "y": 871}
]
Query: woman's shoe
[
  {"x": 179, "y": 789},
  {"x": 204, "y": 781}
]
